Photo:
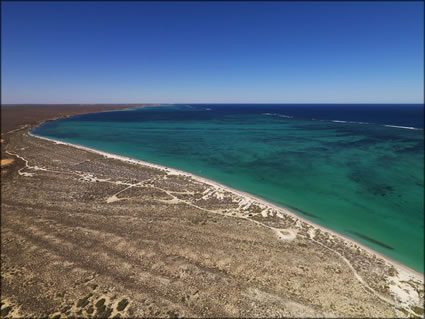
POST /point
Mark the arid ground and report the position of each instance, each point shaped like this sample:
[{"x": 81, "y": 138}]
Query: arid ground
[{"x": 87, "y": 235}]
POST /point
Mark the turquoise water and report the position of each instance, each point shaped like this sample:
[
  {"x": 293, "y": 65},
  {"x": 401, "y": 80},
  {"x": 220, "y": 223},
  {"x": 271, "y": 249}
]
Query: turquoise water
[{"x": 363, "y": 180}]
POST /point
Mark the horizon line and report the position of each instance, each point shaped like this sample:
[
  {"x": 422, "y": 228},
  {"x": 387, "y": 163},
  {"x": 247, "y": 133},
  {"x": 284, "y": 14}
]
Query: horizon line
[{"x": 168, "y": 103}]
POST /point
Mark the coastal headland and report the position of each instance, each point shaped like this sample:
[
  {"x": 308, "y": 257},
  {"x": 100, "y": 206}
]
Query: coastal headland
[{"x": 85, "y": 233}]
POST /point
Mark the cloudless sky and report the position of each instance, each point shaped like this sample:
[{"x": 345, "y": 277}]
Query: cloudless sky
[{"x": 212, "y": 52}]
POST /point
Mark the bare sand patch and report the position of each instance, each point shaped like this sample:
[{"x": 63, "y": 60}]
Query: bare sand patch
[
  {"x": 7, "y": 162},
  {"x": 286, "y": 234}
]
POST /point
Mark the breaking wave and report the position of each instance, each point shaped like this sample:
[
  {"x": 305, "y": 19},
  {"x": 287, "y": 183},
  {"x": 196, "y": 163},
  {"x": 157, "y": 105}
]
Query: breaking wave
[
  {"x": 352, "y": 122},
  {"x": 405, "y": 127},
  {"x": 279, "y": 115},
  {"x": 386, "y": 125},
  {"x": 349, "y": 122}
]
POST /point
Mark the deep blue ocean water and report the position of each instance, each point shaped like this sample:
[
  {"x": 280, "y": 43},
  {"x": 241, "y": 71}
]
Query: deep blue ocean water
[{"x": 356, "y": 169}]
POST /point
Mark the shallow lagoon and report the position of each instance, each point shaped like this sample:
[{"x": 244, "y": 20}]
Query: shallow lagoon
[{"x": 339, "y": 166}]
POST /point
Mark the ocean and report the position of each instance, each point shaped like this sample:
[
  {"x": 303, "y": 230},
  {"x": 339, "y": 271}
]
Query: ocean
[{"x": 355, "y": 169}]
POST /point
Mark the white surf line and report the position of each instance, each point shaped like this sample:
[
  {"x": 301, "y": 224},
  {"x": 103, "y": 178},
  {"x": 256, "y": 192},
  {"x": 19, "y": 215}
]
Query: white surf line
[{"x": 405, "y": 127}]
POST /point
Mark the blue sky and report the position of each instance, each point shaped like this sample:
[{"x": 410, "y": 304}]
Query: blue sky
[{"x": 212, "y": 52}]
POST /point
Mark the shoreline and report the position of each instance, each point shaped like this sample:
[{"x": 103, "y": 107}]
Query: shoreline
[{"x": 399, "y": 266}]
